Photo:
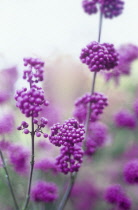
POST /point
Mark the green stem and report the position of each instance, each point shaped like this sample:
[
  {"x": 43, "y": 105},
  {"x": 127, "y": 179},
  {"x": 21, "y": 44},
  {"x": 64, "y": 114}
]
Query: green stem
[
  {"x": 68, "y": 191},
  {"x": 32, "y": 167},
  {"x": 93, "y": 83},
  {"x": 9, "y": 181}
]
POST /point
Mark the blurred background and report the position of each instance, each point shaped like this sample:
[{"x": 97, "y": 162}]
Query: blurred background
[{"x": 56, "y": 31}]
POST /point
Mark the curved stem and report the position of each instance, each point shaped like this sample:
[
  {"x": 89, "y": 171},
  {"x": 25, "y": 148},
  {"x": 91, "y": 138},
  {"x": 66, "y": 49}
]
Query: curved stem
[
  {"x": 67, "y": 193},
  {"x": 32, "y": 167},
  {"x": 9, "y": 181},
  {"x": 93, "y": 82}
]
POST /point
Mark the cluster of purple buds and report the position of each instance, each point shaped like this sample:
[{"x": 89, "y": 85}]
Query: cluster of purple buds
[
  {"x": 97, "y": 101},
  {"x": 30, "y": 102},
  {"x": 24, "y": 125},
  {"x": 44, "y": 192},
  {"x": 115, "y": 195},
  {"x": 99, "y": 56},
  {"x": 42, "y": 124},
  {"x": 112, "y": 8},
  {"x": 68, "y": 135},
  {"x": 97, "y": 135},
  {"x": 125, "y": 119},
  {"x": 109, "y": 8},
  {"x": 127, "y": 54},
  {"x": 90, "y": 7},
  {"x": 70, "y": 159},
  {"x": 35, "y": 70}
]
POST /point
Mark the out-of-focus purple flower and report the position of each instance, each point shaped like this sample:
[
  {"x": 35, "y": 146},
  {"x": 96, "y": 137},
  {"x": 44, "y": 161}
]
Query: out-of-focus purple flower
[
  {"x": 70, "y": 159},
  {"x": 70, "y": 133},
  {"x": 131, "y": 152},
  {"x": 127, "y": 54},
  {"x": 43, "y": 144},
  {"x": 19, "y": 158},
  {"x": 112, "y": 8},
  {"x": 84, "y": 195},
  {"x": 114, "y": 194},
  {"x": 5, "y": 145},
  {"x": 131, "y": 172},
  {"x": 52, "y": 113},
  {"x": 6, "y": 124},
  {"x": 97, "y": 135},
  {"x": 4, "y": 96},
  {"x": 30, "y": 102},
  {"x": 125, "y": 119},
  {"x": 35, "y": 70},
  {"x": 44, "y": 192},
  {"x": 135, "y": 107},
  {"x": 46, "y": 165},
  {"x": 99, "y": 56},
  {"x": 98, "y": 103}
]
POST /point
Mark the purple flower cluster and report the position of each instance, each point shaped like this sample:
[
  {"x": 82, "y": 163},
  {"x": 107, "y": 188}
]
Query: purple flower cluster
[
  {"x": 90, "y": 7},
  {"x": 42, "y": 124},
  {"x": 99, "y": 56},
  {"x": 109, "y": 8},
  {"x": 35, "y": 70},
  {"x": 46, "y": 165},
  {"x": 30, "y": 102},
  {"x": 112, "y": 8},
  {"x": 19, "y": 158},
  {"x": 127, "y": 54},
  {"x": 6, "y": 124},
  {"x": 125, "y": 119},
  {"x": 131, "y": 172},
  {"x": 98, "y": 103},
  {"x": 70, "y": 159},
  {"x": 97, "y": 135},
  {"x": 116, "y": 195},
  {"x": 44, "y": 192},
  {"x": 68, "y": 134}
]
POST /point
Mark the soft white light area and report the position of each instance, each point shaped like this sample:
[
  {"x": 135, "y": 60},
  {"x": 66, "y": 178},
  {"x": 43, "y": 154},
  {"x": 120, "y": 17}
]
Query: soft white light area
[{"x": 41, "y": 27}]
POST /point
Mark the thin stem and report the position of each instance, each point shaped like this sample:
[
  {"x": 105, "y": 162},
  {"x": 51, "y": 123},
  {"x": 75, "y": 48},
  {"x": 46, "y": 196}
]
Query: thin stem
[
  {"x": 9, "y": 181},
  {"x": 93, "y": 82},
  {"x": 67, "y": 193},
  {"x": 32, "y": 167}
]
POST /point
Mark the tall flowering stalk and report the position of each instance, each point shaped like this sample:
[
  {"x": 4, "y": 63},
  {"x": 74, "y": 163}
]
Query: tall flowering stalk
[
  {"x": 30, "y": 102},
  {"x": 98, "y": 57}
]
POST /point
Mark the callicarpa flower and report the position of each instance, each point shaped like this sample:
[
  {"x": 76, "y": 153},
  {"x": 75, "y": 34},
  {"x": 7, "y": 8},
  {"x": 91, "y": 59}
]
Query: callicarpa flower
[
  {"x": 112, "y": 8},
  {"x": 125, "y": 119},
  {"x": 98, "y": 103},
  {"x": 35, "y": 70},
  {"x": 116, "y": 195},
  {"x": 109, "y": 8},
  {"x": 99, "y": 56},
  {"x": 70, "y": 133},
  {"x": 90, "y": 6},
  {"x": 97, "y": 135},
  {"x": 19, "y": 158},
  {"x": 131, "y": 172},
  {"x": 46, "y": 164},
  {"x": 70, "y": 159},
  {"x": 127, "y": 54},
  {"x": 30, "y": 102},
  {"x": 44, "y": 192}
]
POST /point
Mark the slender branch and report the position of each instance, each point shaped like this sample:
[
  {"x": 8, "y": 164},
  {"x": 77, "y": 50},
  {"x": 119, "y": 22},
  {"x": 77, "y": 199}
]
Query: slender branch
[
  {"x": 93, "y": 83},
  {"x": 67, "y": 193},
  {"x": 9, "y": 181},
  {"x": 32, "y": 167}
]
